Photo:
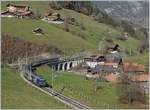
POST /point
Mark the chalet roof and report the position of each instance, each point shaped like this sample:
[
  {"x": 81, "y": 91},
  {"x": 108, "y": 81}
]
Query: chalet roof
[
  {"x": 114, "y": 57},
  {"x": 4, "y": 12},
  {"x": 37, "y": 29},
  {"x": 100, "y": 58},
  {"x": 54, "y": 17},
  {"x": 18, "y": 5},
  {"x": 45, "y": 14},
  {"x": 108, "y": 64},
  {"x": 133, "y": 67},
  {"x": 55, "y": 14},
  {"x": 103, "y": 69},
  {"x": 92, "y": 58},
  {"x": 25, "y": 13},
  {"x": 143, "y": 77}
]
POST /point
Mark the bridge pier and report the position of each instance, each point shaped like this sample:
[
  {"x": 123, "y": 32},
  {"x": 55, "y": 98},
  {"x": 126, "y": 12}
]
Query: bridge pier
[
  {"x": 58, "y": 67},
  {"x": 68, "y": 65},
  {"x": 63, "y": 66},
  {"x": 74, "y": 63}
]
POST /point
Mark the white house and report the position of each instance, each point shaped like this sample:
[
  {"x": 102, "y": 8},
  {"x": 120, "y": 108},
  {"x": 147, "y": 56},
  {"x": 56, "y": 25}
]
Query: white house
[{"x": 91, "y": 64}]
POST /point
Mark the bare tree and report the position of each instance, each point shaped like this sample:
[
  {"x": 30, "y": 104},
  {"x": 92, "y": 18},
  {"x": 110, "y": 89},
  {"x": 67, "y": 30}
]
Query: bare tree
[{"x": 128, "y": 91}]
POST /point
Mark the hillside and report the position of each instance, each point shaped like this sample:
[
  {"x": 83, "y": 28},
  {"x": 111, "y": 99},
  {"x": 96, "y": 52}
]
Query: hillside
[
  {"x": 18, "y": 39},
  {"x": 90, "y": 37},
  {"x": 52, "y": 34},
  {"x": 68, "y": 42},
  {"x": 22, "y": 48},
  {"x": 94, "y": 93},
  {"x": 17, "y": 94}
]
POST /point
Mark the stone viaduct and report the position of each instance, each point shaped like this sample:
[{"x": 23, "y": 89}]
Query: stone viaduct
[{"x": 65, "y": 65}]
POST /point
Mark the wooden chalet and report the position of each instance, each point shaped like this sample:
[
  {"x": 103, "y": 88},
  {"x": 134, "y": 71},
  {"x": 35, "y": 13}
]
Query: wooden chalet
[
  {"x": 16, "y": 10},
  {"x": 38, "y": 31},
  {"x": 103, "y": 69},
  {"x": 114, "y": 58},
  {"x": 112, "y": 47},
  {"x": 52, "y": 16}
]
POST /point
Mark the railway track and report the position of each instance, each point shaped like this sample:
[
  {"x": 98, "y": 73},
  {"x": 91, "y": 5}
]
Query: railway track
[
  {"x": 69, "y": 101},
  {"x": 66, "y": 99}
]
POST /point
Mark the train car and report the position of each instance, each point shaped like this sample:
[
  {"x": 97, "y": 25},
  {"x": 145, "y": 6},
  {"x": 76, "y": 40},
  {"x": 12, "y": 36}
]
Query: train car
[
  {"x": 41, "y": 62},
  {"x": 31, "y": 75},
  {"x": 38, "y": 80},
  {"x": 28, "y": 72}
]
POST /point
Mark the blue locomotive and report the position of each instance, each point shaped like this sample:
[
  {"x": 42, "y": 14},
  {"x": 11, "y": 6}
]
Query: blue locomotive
[{"x": 37, "y": 80}]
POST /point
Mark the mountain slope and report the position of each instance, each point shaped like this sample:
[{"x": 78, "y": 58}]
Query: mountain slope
[
  {"x": 90, "y": 37},
  {"x": 134, "y": 11},
  {"x": 76, "y": 39}
]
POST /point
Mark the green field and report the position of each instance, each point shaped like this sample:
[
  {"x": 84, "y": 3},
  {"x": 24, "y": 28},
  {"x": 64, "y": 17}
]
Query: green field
[
  {"x": 17, "y": 94},
  {"x": 93, "y": 32},
  {"x": 140, "y": 58},
  {"x": 53, "y": 35},
  {"x": 83, "y": 90}
]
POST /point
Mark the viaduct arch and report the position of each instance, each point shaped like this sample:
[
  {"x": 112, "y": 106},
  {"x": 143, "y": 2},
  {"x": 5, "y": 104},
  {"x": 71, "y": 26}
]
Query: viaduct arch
[{"x": 66, "y": 65}]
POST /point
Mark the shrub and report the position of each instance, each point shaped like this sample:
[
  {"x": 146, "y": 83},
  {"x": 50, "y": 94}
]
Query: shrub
[{"x": 82, "y": 25}]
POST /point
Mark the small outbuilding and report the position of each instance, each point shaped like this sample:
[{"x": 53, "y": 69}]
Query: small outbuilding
[
  {"x": 38, "y": 31},
  {"x": 53, "y": 18},
  {"x": 123, "y": 36}
]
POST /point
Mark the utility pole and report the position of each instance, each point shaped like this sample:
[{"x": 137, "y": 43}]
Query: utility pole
[
  {"x": 52, "y": 79},
  {"x": 64, "y": 54},
  {"x": 130, "y": 52},
  {"x": 26, "y": 59},
  {"x": 18, "y": 64}
]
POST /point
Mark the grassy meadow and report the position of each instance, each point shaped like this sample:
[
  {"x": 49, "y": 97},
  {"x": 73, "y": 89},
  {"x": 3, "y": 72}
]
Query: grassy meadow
[
  {"x": 83, "y": 90},
  {"x": 55, "y": 34},
  {"x": 17, "y": 94},
  {"x": 52, "y": 36}
]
